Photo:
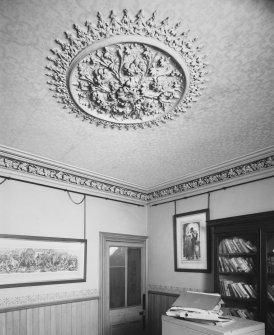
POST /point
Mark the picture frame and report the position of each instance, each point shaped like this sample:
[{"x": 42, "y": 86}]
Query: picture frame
[
  {"x": 191, "y": 241},
  {"x": 36, "y": 260}
]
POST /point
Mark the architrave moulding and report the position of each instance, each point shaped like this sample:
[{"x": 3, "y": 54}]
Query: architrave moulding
[{"x": 127, "y": 73}]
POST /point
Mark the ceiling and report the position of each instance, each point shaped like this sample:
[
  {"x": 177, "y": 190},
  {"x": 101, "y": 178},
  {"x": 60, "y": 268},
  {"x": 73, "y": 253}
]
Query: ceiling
[{"x": 233, "y": 117}]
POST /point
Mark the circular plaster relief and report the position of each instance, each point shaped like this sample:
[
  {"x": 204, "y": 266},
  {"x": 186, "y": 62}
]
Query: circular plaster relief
[
  {"x": 127, "y": 73},
  {"x": 127, "y": 79}
]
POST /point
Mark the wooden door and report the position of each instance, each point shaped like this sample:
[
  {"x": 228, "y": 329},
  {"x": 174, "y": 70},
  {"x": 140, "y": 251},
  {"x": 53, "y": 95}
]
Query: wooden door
[{"x": 123, "y": 285}]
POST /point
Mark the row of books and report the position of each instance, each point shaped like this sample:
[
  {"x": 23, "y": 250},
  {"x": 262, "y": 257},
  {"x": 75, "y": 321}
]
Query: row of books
[
  {"x": 236, "y": 245},
  {"x": 270, "y": 320},
  {"x": 240, "y": 290},
  {"x": 270, "y": 264},
  {"x": 270, "y": 292},
  {"x": 242, "y": 313},
  {"x": 236, "y": 264}
]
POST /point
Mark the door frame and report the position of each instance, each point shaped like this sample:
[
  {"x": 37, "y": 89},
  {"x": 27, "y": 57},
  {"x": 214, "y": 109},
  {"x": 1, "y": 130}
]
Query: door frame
[{"x": 105, "y": 238}]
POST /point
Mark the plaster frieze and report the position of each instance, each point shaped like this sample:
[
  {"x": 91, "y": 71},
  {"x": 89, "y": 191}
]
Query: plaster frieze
[
  {"x": 128, "y": 72},
  {"x": 12, "y": 164},
  {"x": 67, "y": 177},
  {"x": 215, "y": 178}
]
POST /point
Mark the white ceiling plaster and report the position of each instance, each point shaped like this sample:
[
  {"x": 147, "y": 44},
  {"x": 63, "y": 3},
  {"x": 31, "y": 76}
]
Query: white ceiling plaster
[{"x": 233, "y": 117}]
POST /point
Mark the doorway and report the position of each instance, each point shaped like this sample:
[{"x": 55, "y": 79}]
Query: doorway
[{"x": 122, "y": 284}]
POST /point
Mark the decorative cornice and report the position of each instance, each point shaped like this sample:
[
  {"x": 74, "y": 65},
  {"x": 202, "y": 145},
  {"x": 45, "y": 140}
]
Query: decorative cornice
[
  {"x": 130, "y": 73},
  {"x": 64, "y": 176},
  {"x": 215, "y": 178},
  {"x": 36, "y": 299},
  {"x": 15, "y": 164}
]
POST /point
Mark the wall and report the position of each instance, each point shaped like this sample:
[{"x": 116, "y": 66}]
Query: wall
[
  {"x": 239, "y": 200},
  {"x": 27, "y": 209},
  {"x": 164, "y": 283}
]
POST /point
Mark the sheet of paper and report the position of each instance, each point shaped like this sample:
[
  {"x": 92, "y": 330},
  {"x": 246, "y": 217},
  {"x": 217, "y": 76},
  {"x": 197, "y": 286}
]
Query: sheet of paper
[{"x": 206, "y": 301}]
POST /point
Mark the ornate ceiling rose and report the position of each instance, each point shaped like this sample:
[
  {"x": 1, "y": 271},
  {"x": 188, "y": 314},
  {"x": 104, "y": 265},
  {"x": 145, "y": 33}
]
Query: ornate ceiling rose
[{"x": 127, "y": 73}]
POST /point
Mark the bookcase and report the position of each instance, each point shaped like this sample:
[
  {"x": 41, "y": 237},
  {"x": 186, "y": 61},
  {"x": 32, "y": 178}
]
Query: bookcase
[
  {"x": 243, "y": 263},
  {"x": 268, "y": 236}
]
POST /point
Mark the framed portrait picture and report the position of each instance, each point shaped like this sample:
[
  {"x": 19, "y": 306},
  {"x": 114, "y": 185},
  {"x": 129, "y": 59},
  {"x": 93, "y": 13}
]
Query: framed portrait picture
[
  {"x": 191, "y": 242},
  {"x": 34, "y": 260}
]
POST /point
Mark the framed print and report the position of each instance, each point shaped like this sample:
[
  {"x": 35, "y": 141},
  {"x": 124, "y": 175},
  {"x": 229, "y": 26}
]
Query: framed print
[
  {"x": 191, "y": 242},
  {"x": 33, "y": 260}
]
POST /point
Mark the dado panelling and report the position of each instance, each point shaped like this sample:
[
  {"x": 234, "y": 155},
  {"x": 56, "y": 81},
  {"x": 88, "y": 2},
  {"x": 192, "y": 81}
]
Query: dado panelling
[
  {"x": 63, "y": 318},
  {"x": 158, "y": 304}
]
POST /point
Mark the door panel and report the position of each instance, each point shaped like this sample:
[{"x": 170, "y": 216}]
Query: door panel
[
  {"x": 126, "y": 319},
  {"x": 123, "y": 286},
  {"x": 133, "y": 328},
  {"x": 117, "y": 280},
  {"x": 134, "y": 280}
]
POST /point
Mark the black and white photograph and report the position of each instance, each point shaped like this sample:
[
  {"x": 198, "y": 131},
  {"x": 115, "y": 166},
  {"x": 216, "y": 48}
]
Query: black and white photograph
[
  {"x": 33, "y": 260},
  {"x": 136, "y": 167},
  {"x": 191, "y": 242}
]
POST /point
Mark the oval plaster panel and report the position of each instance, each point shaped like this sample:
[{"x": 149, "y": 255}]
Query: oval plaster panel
[{"x": 127, "y": 73}]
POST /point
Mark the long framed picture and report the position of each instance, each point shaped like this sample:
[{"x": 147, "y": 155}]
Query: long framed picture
[
  {"x": 191, "y": 242},
  {"x": 35, "y": 260}
]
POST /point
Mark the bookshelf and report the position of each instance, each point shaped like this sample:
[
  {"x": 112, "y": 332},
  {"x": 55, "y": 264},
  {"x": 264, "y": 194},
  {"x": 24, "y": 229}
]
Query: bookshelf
[
  {"x": 268, "y": 235},
  {"x": 243, "y": 262}
]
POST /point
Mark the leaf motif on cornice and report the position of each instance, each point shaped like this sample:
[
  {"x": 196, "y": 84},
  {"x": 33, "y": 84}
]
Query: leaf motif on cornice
[
  {"x": 129, "y": 72},
  {"x": 59, "y": 175},
  {"x": 214, "y": 178},
  {"x": 56, "y": 174}
]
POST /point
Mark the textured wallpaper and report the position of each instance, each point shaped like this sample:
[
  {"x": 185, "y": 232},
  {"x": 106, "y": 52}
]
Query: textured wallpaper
[{"x": 233, "y": 117}]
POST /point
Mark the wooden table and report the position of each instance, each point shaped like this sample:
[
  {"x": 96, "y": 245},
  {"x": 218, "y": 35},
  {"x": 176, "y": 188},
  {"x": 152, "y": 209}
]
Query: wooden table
[{"x": 174, "y": 326}]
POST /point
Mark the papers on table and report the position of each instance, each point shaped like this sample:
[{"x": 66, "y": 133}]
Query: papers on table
[
  {"x": 196, "y": 314},
  {"x": 197, "y": 306}
]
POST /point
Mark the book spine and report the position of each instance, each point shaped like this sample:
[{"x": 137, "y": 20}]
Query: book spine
[
  {"x": 243, "y": 291},
  {"x": 236, "y": 290},
  {"x": 250, "y": 264},
  {"x": 233, "y": 246},
  {"x": 252, "y": 291},
  {"x": 238, "y": 244},
  {"x": 250, "y": 246},
  {"x": 234, "y": 264},
  {"x": 221, "y": 264},
  {"x": 243, "y": 266},
  {"x": 227, "y": 265},
  {"x": 228, "y": 247},
  {"x": 242, "y": 242}
]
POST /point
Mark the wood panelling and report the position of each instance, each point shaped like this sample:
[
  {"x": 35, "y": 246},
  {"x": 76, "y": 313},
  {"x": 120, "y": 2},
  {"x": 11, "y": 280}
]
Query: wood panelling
[
  {"x": 158, "y": 304},
  {"x": 68, "y": 318}
]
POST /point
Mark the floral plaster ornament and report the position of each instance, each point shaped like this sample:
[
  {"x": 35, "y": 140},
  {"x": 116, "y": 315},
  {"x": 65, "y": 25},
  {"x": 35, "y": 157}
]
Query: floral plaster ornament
[{"x": 128, "y": 72}]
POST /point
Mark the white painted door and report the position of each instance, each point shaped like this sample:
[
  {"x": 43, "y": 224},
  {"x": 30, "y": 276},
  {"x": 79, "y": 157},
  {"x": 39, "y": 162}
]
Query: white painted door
[{"x": 124, "y": 286}]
